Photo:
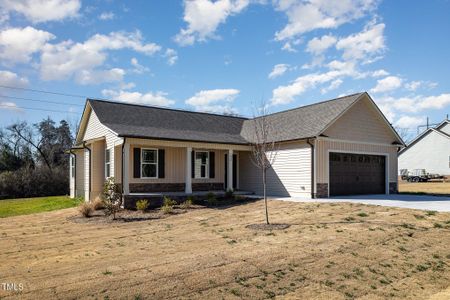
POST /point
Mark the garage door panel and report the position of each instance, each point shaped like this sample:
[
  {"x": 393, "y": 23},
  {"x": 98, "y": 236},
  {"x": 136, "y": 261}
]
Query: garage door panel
[{"x": 356, "y": 174}]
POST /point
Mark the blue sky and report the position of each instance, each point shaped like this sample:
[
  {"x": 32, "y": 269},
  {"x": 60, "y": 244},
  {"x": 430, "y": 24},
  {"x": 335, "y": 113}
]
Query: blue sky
[{"x": 224, "y": 56}]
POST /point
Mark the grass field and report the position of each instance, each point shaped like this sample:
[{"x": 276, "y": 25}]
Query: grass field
[
  {"x": 25, "y": 206},
  {"x": 330, "y": 251},
  {"x": 425, "y": 187}
]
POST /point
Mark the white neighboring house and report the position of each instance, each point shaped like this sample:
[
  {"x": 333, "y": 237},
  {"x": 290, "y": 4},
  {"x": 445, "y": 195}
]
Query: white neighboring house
[{"x": 429, "y": 151}]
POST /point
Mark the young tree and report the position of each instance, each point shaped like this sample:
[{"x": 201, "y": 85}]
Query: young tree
[
  {"x": 112, "y": 197},
  {"x": 264, "y": 148}
]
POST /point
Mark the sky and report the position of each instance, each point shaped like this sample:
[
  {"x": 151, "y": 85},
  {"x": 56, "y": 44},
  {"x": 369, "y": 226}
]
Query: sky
[{"x": 224, "y": 56}]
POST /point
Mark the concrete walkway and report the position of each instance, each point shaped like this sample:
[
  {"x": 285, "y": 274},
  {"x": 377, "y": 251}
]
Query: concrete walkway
[{"x": 396, "y": 200}]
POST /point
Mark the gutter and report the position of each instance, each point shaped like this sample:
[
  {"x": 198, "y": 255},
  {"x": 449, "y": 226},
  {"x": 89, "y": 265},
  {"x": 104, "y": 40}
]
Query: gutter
[
  {"x": 313, "y": 158},
  {"x": 90, "y": 169},
  {"x": 121, "y": 169}
]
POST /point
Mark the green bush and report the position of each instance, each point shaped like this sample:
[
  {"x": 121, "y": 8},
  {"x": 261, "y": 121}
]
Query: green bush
[
  {"x": 192, "y": 198},
  {"x": 167, "y": 209},
  {"x": 229, "y": 193},
  {"x": 142, "y": 204},
  {"x": 186, "y": 204},
  {"x": 211, "y": 199},
  {"x": 169, "y": 202}
]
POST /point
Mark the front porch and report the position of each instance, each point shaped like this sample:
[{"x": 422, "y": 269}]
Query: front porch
[{"x": 148, "y": 168}]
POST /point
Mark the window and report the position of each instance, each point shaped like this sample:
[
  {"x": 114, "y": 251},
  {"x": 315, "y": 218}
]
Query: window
[
  {"x": 108, "y": 163},
  {"x": 149, "y": 163},
  {"x": 201, "y": 164},
  {"x": 72, "y": 166}
]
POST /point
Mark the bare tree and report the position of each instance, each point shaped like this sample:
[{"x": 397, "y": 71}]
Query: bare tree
[
  {"x": 404, "y": 133},
  {"x": 264, "y": 148}
]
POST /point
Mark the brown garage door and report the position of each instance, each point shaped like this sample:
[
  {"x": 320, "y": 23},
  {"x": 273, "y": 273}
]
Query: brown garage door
[{"x": 357, "y": 174}]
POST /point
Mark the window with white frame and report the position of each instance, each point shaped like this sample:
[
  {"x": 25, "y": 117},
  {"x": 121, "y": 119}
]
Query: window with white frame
[
  {"x": 108, "y": 163},
  {"x": 72, "y": 166},
  {"x": 149, "y": 163},
  {"x": 201, "y": 164}
]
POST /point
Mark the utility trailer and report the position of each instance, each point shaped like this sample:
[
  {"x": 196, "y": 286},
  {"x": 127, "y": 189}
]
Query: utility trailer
[{"x": 419, "y": 175}]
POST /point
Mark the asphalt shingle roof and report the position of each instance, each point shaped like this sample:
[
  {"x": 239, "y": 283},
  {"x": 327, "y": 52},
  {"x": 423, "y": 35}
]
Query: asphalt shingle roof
[{"x": 129, "y": 120}]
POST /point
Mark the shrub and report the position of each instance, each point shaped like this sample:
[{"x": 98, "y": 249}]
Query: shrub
[
  {"x": 211, "y": 199},
  {"x": 142, "y": 204},
  {"x": 186, "y": 204},
  {"x": 98, "y": 204},
  {"x": 192, "y": 198},
  {"x": 169, "y": 202},
  {"x": 86, "y": 209},
  {"x": 229, "y": 193},
  {"x": 113, "y": 197},
  {"x": 167, "y": 209}
]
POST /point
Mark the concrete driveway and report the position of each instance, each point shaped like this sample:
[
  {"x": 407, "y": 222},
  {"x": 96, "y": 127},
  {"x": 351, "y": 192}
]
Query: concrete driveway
[{"x": 396, "y": 200}]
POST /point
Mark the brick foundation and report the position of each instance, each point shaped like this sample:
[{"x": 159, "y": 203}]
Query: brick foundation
[
  {"x": 156, "y": 187},
  {"x": 393, "y": 188},
  {"x": 322, "y": 190},
  {"x": 207, "y": 186}
]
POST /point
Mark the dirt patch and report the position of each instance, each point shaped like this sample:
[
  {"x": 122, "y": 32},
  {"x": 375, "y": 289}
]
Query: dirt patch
[
  {"x": 330, "y": 251},
  {"x": 268, "y": 226},
  {"x": 428, "y": 188}
]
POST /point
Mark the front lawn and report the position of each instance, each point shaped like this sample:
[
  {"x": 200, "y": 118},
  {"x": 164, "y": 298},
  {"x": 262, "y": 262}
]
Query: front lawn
[
  {"x": 26, "y": 206},
  {"x": 330, "y": 251}
]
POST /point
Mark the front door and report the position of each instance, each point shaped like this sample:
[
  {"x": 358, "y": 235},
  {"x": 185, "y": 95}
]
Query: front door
[{"x": 234, "y": 171}]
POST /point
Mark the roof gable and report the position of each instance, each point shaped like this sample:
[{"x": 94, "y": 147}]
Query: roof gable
[{"x": 438, "y": 131}]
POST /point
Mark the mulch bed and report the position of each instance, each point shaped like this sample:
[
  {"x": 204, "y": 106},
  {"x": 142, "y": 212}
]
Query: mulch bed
[{"x": 268, "y": 226}]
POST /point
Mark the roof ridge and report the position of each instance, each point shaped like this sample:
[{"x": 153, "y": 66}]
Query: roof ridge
[
  {"x": 164, "y": 108},
  {"x": 312, "y": 104}
]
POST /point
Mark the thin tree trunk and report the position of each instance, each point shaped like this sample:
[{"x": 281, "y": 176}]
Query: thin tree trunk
[{"x": 265, "y": 196}]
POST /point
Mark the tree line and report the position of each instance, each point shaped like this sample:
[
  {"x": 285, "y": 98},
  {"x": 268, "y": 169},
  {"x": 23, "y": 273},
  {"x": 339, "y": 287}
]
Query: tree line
[{"x": 33, "y": 159}]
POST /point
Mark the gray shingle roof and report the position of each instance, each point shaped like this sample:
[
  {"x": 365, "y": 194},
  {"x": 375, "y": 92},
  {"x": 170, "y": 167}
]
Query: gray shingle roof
[
  {"x": 160, "y": 123},
  {"x": 303, "y": 122}
]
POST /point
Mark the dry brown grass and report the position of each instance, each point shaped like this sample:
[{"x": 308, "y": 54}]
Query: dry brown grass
[
  {"x": 425, "y": 187},
  {"x": 330, "y": 251}
]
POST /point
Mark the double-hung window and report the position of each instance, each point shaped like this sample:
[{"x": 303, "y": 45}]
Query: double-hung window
[
  {"x": 149, "y": 163},
  {"x": 201, "y": 164},
  {"x": 107, "y": 163},
  {"x": 72, "y": 166}
]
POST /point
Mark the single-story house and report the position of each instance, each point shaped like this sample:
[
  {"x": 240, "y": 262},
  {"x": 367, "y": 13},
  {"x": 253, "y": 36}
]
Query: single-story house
[
  {"x": 336, "y": 147},
  {"x": 430, "y": 151}
]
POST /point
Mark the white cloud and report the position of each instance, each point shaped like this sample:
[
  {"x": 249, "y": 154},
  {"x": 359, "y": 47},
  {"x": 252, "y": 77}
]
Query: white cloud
[
  {"x": 171, "y": 56},
  {"x": 8, "y": 78},
  {"x": 138, "y": 68},
  {"x": 150, "y": 98},
  {"x": 366, "y": 45},
  {"x": 387, "y": 84},
  {"x": 408, "y": 122},
  {"x": 308, "y": 15},
  {"x": 86, "y": 77},
  {"x": 317, "y": 46},
  {"x": 18, "y": 44},
  {"x": 105, "y": 16},
  {"x": 334, "y": 85},
  {"x": 37, "y": 11},
  {"x": 434, "y": 102},
  {"x": 5, "y": 105},
  {"x": 66, "y": 59},
  {"x": 217, "y": 100},
  {"x": 379, "y": 73},
  {"x": 414, "y": 85},
  {"x": 278, "y": 70},
  {"x": 204, "y": 16}
]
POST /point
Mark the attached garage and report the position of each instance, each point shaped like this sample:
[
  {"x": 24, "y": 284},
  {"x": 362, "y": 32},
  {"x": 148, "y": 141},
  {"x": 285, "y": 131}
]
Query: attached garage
[{"x": 357, "y": 174}]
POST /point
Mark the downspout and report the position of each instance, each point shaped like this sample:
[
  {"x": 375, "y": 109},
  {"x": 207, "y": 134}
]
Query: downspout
[
  {"x": 90, "y": 168},
  {"x": 121, "y": 169},
  {"x": 75, "y": 172},
  {"x": 313, "y": 195}
]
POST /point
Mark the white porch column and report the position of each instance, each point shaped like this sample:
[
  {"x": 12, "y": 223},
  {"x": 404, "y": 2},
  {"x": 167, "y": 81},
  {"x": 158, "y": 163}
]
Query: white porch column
[
  {"x": 188, "y": 181},
  {"x": 230, "y": 170},
  {"x": 126, "y": 168}
]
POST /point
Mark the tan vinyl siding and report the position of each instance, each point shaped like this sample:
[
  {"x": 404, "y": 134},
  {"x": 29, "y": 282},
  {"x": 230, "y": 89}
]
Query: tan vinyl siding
[
  {"x": 98, "y": 168},
  {"x": 362, "y": 123},
  {"x": 184, "y": 144},
  {"x": 117, "y": 167},
  {"x": 175, "y": 165},
  {"x": 290, "y": 174},
  {"x": 326, "y": 146}
]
